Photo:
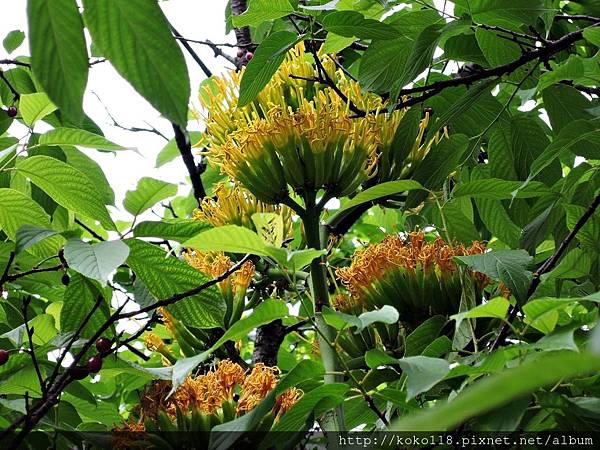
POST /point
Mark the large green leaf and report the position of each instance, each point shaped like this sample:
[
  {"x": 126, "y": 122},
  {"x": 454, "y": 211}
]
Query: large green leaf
[
  {"x": 499, "y": 12},
  {"x": 165, "y": 276},
  {"x": 58, "y": 52},
  {"x": 260, "y": 11},
  {"x": 422, "y": 373},
  {"x": 34, "y": 107},
  {"x": 81, "y": 138},
  {"x": 496, "y": 189},
  {"x": 135, "y": 37},
  {"x": 29, "y": 235},
  {"x": 496, "y": 308},
  {"x": 67, "y": 186},
  {"x": 508, "y": 266},
  {"x": 148, "y": 192},
  {"x": 96, "y": 261},
  {"x": 268, "y": 57},
  {"x": 353, "y": 23},
  {"x": 565, "y": 105},
  {"x": 17, "y": 209},
  {"x": 266, "y": 312},
  {"x": 498, "y": 390},
  {"x": 383, "y": 63},
  {"x": 179, "y": 230},
  {"x": 92, "y": 169},
  {"x": 80, "y": 297}
]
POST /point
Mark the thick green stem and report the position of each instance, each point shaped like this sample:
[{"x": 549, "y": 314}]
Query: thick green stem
[{"x": 318, "y": 282}]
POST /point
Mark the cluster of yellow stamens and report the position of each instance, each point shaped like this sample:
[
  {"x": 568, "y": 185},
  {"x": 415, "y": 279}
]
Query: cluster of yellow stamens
[
  {"x": 410, "y": 253},
  {"x": 215, "y": 264},
  {"x": 234, "y": 205},
  {"x": 301, "y": 133},
  {"x": 208, "y": 392}
]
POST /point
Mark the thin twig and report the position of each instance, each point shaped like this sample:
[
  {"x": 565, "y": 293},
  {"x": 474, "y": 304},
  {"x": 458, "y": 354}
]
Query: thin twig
[
  {"x": 89, "y": 230},
  {"x": 29, "y": 331},
  {"x": 547, "y": 267},
  {"x": 14, "y": 62},
  {"x": 15, "y": 93},
  {"x": 192, "y": 53}
]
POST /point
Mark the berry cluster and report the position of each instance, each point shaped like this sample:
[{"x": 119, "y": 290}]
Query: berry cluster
[
  {"x": 94, "y": 364},
  {"x": 245, "y": 54}
]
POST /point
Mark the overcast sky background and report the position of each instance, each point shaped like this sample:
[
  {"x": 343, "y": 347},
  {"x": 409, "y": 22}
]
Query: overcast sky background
[{"x": 201, "y": 20}]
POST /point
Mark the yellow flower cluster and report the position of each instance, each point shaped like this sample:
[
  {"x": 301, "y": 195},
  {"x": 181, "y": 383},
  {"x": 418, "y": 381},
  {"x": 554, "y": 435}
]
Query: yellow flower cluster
[
  {"x": 234, "y": 205},
  {"x": 302, "y": 134},
  {"x": 413, "y": 252},
  {"x": 216, "y": 263},
  {"x": 208, "y": 392}
]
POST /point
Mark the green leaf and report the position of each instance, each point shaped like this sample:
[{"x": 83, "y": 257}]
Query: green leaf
[
  {"x": 268, "y": 57},
  {"x": 265, "y": 312},
  {"x": 92, "y": 169},
  {"x": 571, "y": 69},
  {"x": 354, "y": 24},
  {"x": 96, "y": 261},
  {"x": 179, "y": 230},
  {"x": 499, "y": 12},
  {"x": 380, "y": 191},
  {"x": 423, "y": 335},
  {"x": 581, "y": 137},
  {"x": 170, "y": 151},
  {"x": 508, "y": 266},
  {"x": 590, "y": 34},
  {"x": 165, "y": 276},
  {"x": 29, "y": 235},
  {"x": 59, "y": 56},
  {"x": 565, "y": 105},
  {"x": 34, "y": 107},
  {"x": 16, "y": 210},
  {"x": 376, "y": 357},
  {"x": 148, "y": 192},
  {"x": 13, "y": 40},
  {"x": 422, "y": 373},
  {"x": 229, "y": 238},
  {"x": 495, "y": 308},
  {"x": 497, "y": 390},
  {"x": 383, "y": 63},
  {"x": 80, "y": 298},
  {"x": 496, "y": 189},
  {"x": 441, "y": 160},
  {"x": 136, "y": 38},
  {"x": 260, "y": 11},
  {"x": 67, "y": 186},
  {"x": 387, "y": 314},
  {"x": 74, "y": 136},
  {"x": 495, "y": 54}
]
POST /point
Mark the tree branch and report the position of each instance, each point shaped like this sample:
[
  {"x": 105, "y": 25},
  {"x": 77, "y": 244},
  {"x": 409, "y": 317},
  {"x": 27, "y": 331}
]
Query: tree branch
[
  {"x": 185, "y": 149},
  {"x": 191, "y": 51},
  {"x": 547, "y": 267}
]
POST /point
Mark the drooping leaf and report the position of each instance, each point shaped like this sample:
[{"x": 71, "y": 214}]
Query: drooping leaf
[
  {"x": 495, "y": 308},
  {"x": 58, "y": 52},
  {"x": 67, "y": 186},
  {"x": 136, "y": 38},
  {"x": 508, "y": 266},
  {"x": 268, "y": 57},
  {"x": 422, "y": 373},
  {"x": 28, "y": 235},
  {"x": 148, "y": 192},
  {"x": 17, "y": 209},
  {"x": 165, "y": 276},
  {"x": 96, "y": 261},
  {"x": 179, "y": 230},
  {"x": 77, "y": 137}
]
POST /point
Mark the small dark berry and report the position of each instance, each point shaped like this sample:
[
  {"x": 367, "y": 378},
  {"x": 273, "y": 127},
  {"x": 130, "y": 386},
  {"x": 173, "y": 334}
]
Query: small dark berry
[
  {"x": 94, "y": 364},
  {"x": 12, "y": 111},
  {"x": 3, "y": 357},
  {"x": 236, "y": 396},
  {"x": 65, "y": 279},
  {"x": 241, "y": 53},
  {"x": 249, "y": 56},
  {"x": 79, "y": 373},
  {"x": 103, "y": 345}
]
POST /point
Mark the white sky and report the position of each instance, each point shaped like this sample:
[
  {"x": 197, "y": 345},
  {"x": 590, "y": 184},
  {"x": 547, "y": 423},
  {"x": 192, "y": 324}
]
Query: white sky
[{"x": 194, "y": 19}]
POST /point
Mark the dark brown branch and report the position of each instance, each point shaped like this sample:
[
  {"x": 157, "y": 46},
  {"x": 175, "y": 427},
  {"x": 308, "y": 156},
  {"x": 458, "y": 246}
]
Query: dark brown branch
[
  {"x": 16, "y": 276},
  {"x": 4, "y": 278},
  {"x": 15, "y": 93},
  {"x": 89, "y": 230},
  {"x": 578, "y": 17},
  {"x": 14, "y": 62},
  {"x": 185, "y": 149},
  {"x": 216, "y": 48},
  {"x": 547, "y": 267},
  {"x": 29, "y": 331},
  {"x": 192, "y": 53},
  {"x": 242, "y": 35}
]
